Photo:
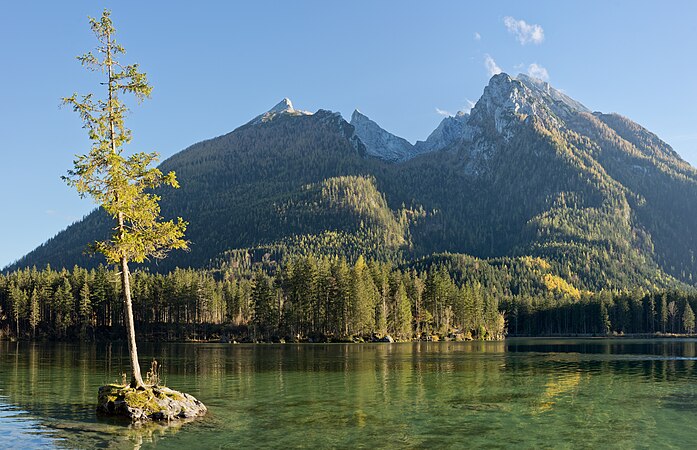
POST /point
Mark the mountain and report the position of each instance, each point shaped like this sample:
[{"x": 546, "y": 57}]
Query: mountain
[
  {"x": 284, "y": 107},
  {"x": 378, "y": 142},
  {"x": 385, "y": 145},
  {"x": 554, "y": 98},
  {"x": 451, "y": 129},
  {"x": 529, "y": 172}
]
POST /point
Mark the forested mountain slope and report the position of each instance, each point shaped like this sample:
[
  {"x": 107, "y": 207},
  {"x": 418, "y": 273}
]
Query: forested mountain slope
[{"x": 529, "y": 172}]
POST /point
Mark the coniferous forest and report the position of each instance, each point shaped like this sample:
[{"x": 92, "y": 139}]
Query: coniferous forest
[{"x": 324, "y": 299}]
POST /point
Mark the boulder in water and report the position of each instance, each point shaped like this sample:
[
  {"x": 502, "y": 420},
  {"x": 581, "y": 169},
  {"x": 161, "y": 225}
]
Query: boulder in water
[{"x": 147, "y": 404}]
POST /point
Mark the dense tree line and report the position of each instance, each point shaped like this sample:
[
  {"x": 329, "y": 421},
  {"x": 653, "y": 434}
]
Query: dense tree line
[
  {"x": 308, "y": 296},
  {"x": 312, "y": 297}
]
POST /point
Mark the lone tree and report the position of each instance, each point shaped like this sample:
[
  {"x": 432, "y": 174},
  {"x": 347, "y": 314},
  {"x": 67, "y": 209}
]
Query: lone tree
[
  {"x": 121, "y": 185},
  {"x": 688, "y": 319}
]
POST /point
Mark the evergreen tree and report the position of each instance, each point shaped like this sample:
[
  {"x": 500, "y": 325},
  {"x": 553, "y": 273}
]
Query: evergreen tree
[
  {"x": 264, "y": 299},
  {"x": 362, "y": 298},
  {"x": 63, "y": 305},
  {"x": 34, "y": 311},
  {"x": 401, "y": 322},
  {"x": 672, "y": 315},
  {"x": 342, "y": 274},
  {"x": 664, "y": 312},
  {"x": 18, "y": 302},
  {"x": 85, "y": 306},
  {"x": 122, "y": 186},
  {"x": 688, "y": 319}
]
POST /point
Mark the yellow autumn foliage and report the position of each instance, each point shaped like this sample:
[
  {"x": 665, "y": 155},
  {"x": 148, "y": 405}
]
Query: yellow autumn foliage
[
  {"x": 529, "y": 261},
  {"x": 560, "y": 285}
]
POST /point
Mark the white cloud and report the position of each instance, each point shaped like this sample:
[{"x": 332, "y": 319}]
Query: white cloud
[
  {"x": 470, "y": 105},
  {"x": 525, "y": 33},
  {"x": 443, "y": 112},
  {"x": 477, "y": 36},
  {"x": 491, "y": 65},
  {"x": 537, "y": 71}
]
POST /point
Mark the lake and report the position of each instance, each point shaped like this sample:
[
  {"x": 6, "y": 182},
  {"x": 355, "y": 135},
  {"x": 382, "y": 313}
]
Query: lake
[{"x": 527, "y": 393}]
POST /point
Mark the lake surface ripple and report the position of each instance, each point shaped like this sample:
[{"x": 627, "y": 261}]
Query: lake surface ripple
[{"x": 527, "y": 393}]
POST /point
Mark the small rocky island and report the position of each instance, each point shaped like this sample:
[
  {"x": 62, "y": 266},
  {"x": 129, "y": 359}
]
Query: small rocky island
[
  {"x": 148, "y": 401},
  {"x": 152, "y": 403}
]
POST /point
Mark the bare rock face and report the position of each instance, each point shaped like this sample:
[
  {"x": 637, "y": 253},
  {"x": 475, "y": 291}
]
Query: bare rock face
[
  {"x": 149, "y": 404},
  {"x": 451, "y": 130},
  {"x": 284, "y": 107},
  {"x": 378, "y": 142}
]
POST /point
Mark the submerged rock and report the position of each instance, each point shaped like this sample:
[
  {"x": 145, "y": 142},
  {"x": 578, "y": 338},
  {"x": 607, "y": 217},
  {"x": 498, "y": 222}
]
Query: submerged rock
[{"x": 147, "y": 404}]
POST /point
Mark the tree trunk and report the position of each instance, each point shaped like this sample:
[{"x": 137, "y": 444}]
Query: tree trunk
[{"x": 136, "y": 378}]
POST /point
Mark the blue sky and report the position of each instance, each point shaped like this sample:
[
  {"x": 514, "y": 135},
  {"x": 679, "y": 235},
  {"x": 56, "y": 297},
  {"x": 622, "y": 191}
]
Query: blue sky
[{"x": 215, "y": 65}]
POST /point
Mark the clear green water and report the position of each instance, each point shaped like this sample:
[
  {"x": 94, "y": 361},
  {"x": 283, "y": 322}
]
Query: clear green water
[{"x": 523, "y": 393}]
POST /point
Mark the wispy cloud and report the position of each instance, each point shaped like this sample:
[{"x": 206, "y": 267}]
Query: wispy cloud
[
  {"x": 537, "y": 71},
  {"x": 443, "y": 112},
  {"x": 525, "y": 33},
  {"x": 477, "y": 36},
  {"x": 470, "y": 105},
  {"x": 491, "y": 65}
]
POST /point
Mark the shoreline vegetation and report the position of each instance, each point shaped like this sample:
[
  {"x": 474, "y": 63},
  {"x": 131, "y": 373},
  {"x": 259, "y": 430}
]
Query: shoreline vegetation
[
  {"x": 326, "y": 299},
  {"x": 116, "y": 335}
]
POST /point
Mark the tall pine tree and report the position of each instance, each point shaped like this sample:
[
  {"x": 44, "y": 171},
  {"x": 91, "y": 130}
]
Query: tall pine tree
[{"x": 122, "y": 186}]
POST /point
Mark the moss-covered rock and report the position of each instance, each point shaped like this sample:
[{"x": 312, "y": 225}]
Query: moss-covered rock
[{"x": 146, "y": 404}]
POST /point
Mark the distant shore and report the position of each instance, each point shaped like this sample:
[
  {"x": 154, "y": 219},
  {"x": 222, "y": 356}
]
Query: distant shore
[{"x": 181, "y": 336}]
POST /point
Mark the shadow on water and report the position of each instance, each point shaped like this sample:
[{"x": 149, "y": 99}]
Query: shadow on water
[{"x": 651, "y": 360}]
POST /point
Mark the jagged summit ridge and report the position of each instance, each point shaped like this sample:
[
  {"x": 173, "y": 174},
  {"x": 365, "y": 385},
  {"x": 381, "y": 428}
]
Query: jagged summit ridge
[
  {"x": 379, "y": 142},
  {"x": 545, "y": 89},
  {"x": 451, "y": 129},
  {"x": 506, "y": 101},
  {"x": 503, "y": 101},
  {"x": 507, "y": 105}
]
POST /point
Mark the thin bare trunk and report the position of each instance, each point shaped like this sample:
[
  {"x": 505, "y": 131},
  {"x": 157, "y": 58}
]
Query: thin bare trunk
[{"x": 136, "y": 378}]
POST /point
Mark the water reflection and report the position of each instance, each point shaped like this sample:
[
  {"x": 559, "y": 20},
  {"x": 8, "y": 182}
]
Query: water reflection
[
  {"x": 19, "y": 430},
  {"x": 414, "y": 395}
]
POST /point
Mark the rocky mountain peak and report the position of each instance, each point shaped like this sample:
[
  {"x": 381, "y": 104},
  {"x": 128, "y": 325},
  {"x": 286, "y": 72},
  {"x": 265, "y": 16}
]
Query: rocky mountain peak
[
  {"x": 556, "y": 98},
  {"x": 505, "y": 100},
  {"x": 379, "y": 142},
  {"x": 451, "y": 129},
  {"x": 502, "y": 92},
  {"x": 285, "y": 106},
  {"x": 358, "y": 117}
]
